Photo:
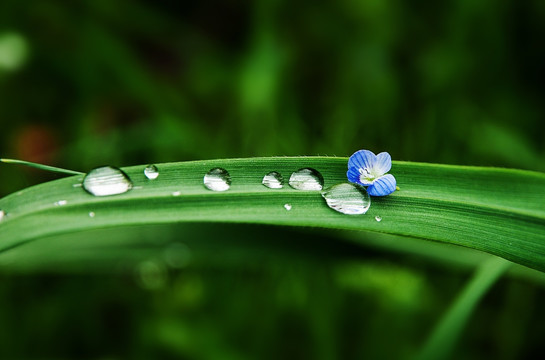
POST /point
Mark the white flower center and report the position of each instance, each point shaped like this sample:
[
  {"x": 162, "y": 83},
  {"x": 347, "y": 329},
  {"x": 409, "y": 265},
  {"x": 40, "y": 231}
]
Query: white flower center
[{"x": 366, "y": 175}]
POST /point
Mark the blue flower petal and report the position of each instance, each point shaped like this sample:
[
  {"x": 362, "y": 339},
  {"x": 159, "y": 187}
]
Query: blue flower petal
[
  {"x": 362, "y": 159},
  {"x": 384, "y": 163},
  {"x": 353, "y": 175},
  {"x": 384, "y": 185}
]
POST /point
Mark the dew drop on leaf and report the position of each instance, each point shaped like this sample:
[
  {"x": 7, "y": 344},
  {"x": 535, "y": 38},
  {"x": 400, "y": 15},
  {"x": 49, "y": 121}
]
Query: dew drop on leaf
[
  {"x": 3, "y": 214},
  {"x": 151, "y": 172},
  {"x": 61, "y": 203},
  {"x": 287, "y": 207},
  {"x": 306, "y": 179},
  {"x": 349, "y": 199},
  {"x": 176, "y": 193},
  {"x": 91, "y": 214},
  {"x": 106, "y": 180},
  {"x": 217, "y": 179},
  {"x": 273, "y": 180},
  {"x": 378, "y": 218}
]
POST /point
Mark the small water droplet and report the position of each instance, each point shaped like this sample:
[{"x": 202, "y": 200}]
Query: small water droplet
[
  {"x": 91, "y": 214},
  {"x": 61, "y": 203},
  {"x": 106, "y": 180},
  {"x": 151, "y": 172},
  {"x": 176, "y": 193},
  {"x": 273, "y": 180},
  {"x": 378, "y": 218},
  {"x": 347, "y": 198},
  {"x": 217, "y": 179},
  {"x": 3, "y": 215},
  {"x": 76, "y": 185},
  {"x": 306, "y": 179},
  {"x": 287, "y": 207}
]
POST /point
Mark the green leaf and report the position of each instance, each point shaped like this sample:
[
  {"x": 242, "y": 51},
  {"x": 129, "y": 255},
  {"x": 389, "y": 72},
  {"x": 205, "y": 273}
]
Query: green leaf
[
  {"x": 499, "y": 211},
  {"x": 445, "y": 335}
]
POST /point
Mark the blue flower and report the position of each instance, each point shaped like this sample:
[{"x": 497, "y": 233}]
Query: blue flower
[{"x": 367, "y": 169}]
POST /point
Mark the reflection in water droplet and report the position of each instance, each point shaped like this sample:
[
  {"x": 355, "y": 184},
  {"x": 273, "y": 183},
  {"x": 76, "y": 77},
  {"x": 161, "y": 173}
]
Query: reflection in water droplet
[
  {"x": 105, "y": 181},
  {"x": 378, "y": 218},
  {"x": 151, "y": 172},
  {"x": 3, "y": 214},
  {"x": 306, "y": 179},
  {"x": 217, "y": 179},
  {"x": 177, "y": 255},
  {"x": 176, "y": 193},
  {"x": 61, "y": 203},
  {"x": 151, "y": 274},
  {"x": 91, "y": 214},
  {"x": 287, "y": 207},
  {"x": 347, "y": 198},
  {"x": 273, "y": 180}
]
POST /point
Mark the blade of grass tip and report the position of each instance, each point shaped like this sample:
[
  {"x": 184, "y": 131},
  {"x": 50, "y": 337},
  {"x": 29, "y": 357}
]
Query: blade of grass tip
[
  {"x": 41, "y": 166},
  {"x": 443, "y": 338}
]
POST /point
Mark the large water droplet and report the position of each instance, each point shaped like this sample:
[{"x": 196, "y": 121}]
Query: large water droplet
[
  {"x": 347, "y": 198},
  {"x": 151, "y": 172},
  {"x": 106, "y": 180},
  {"x": 273, "y": 180},
  {"x": 3, "y": 214},
  {"x": 217, "y": 179},
  {"x": 306, "y": 179}
]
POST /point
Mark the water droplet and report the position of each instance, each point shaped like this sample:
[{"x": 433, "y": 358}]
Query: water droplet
[
  {"x": 76, "y": 185},
  {"x": 91, "y": 214},
  {"x": 176, "y": 193},
  {"x": 106, "y": 180},
  {"x": 61, "y": 203},
  {"x": 347, "y": 198},
  {"x": 217, "y": 179},
  {"x": 3, "y": 214},
  {"x": 378, "y": 218},
  {"x": 151, "y": 172},
  {"x": 273, "y": 180},
  {"x": 287, "y": 207},
  {"x": 307, "y": 179}
]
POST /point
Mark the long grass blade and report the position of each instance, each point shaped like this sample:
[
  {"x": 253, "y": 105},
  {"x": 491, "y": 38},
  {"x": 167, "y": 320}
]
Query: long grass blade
[
  {"x": 41, "y": 166},
  {"x": 498, "y": 211},
  {"x": 444, "y": 337}
]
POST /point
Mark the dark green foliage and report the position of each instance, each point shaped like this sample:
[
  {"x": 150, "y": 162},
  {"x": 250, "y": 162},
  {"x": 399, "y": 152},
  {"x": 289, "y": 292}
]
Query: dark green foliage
[{"x": 135, "y": 82}]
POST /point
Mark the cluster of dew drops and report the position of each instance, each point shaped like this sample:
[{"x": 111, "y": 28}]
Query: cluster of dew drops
[{"x": 346, "y": 198}]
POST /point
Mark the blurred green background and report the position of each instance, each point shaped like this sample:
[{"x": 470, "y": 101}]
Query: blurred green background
[{"x": 88, "y": 83}]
